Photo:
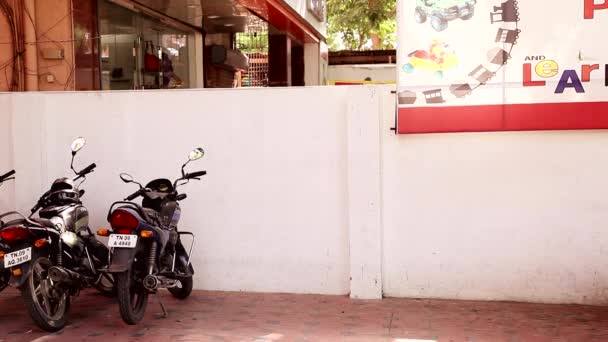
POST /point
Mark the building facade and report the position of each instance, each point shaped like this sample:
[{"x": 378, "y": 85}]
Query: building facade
[{"x": 159, "y": 44}]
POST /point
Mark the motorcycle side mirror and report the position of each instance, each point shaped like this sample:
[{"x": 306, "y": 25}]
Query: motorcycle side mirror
[
  {"x": 196, "y": 154},
  {"x": 127, "y": 178},
  {"x": 78, "y": 144}
]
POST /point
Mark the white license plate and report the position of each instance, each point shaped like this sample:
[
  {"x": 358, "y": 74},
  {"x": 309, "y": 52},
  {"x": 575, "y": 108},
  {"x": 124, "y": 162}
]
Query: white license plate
[
  {"x": 18, "y": 257},
  {"x": 122, "y": 241}
]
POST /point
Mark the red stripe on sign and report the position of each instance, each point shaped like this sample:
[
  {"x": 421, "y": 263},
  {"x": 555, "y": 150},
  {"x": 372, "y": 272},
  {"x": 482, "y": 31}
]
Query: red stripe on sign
[{"x": 512, "y": 117}]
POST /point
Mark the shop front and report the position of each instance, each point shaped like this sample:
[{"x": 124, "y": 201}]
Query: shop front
[
  {"x": 137, "y": 48},
  {"x": 169, "y": 44},
  {"x": 244, "y": 43}
]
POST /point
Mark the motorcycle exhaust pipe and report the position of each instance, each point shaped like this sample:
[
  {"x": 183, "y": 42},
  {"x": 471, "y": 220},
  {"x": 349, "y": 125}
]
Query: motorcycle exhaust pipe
[
  {"x": 63, "y": 276},
  {"x": 153, "y": 283},
  {"x": 59, "y": 275}
]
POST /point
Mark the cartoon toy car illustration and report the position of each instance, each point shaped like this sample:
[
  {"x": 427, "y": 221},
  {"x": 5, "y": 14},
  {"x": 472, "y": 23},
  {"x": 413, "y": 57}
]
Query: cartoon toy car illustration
[
  {"x": 441, "y": 12},
  {"x": 440, "y": 58}
]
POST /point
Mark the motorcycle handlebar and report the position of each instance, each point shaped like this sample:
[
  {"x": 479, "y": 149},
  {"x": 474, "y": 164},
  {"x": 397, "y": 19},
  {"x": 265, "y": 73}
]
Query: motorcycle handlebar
[
  {"x": 195, "y": 174},
  {"x": 134, "y": 195},
  {"x": 7, "y": 175},
  {"x": 87, "y": 170}
]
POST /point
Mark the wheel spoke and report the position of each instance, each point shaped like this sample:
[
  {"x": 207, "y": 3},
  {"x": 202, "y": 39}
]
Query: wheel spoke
[
  {"x": 38, "y": 270},
  {"x": 47, "y": 305}
]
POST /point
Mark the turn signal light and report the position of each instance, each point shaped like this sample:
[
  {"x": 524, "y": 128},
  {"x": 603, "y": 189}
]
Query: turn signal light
[
  {"x": 17, "y": 272},
  {"x": 146, "y": 234},
  {"x": 103, "y": 232},
  {"x": 1, "y": 255},
  {"x": 41, "y": 243}
]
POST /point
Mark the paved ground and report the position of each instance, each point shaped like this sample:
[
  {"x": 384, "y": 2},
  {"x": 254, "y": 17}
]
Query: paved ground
[{"x": 219, "y": 316}]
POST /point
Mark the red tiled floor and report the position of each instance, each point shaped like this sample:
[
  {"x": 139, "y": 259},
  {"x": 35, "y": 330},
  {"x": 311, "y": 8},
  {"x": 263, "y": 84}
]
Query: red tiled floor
[{"x": 220, "y": 316}]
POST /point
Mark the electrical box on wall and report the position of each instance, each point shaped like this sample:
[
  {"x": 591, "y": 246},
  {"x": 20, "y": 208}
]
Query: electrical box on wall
[{"x": 53, "y": 53}]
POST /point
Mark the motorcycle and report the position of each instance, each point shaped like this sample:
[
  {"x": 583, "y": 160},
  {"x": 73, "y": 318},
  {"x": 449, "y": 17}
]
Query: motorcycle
[
  {"x": 147, "y": 253},
  {"x": 5, "y": 273},
  {"x": 55, "y": 256}
]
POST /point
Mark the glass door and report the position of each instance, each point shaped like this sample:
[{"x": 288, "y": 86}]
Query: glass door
[{"x": 141, "y": 52}]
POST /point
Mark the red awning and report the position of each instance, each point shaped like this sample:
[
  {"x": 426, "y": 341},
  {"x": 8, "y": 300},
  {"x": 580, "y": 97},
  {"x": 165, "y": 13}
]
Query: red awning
[{"x": 284, "y": 18}]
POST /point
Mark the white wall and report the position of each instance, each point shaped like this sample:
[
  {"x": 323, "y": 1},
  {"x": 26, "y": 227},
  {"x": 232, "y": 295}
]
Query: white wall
[
  {"x": 6, "y": 157},
  {"x": 309, "y": 191},
  {"x": 312, "y": 64},
  {"x": 270, "y": 216},
  {"x": 377, "y": 72},
  {"x": 301, "y": 8},
  {"x": 515, "y": 216}
]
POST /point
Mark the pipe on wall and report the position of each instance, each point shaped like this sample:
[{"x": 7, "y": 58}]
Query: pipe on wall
[{"x": 31, "y": 48}]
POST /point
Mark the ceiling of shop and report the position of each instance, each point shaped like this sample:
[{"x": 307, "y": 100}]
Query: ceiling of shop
[
  {"x": 214, "y": 16},
  {"x": 115, "y": 19},
  {"x": 187, "y": 11}
]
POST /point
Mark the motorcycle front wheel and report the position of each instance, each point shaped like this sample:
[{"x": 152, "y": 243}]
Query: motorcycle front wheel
[
  {"x": 106, "y": 285},
  {"x": 132, "y": 297},
  {"x": 47, "y": 305}
]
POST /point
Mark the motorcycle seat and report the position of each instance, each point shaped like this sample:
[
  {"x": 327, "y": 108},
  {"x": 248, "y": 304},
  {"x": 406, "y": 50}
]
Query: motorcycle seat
[{"x": 23, "y": 222}]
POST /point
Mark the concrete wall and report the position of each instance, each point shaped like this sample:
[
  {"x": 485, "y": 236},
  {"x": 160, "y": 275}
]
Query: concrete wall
[
  {"x": 516, "y": 216},
  {"x": 310, "y": 191},
  {"x": 312, "y": 64},
  {"x": 48, "y": 25},
  {"x": 272, "y": 213},
  {"x": 7, "y": 198},
  {"x": 6, "y": 53},
  {"x": 377, "y": 72},
  {"x": 301, "y": 7}
]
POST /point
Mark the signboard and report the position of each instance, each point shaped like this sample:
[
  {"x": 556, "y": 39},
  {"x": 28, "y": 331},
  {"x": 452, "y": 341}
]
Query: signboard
[
  {"x": 317, "y": 8},
  {"x": 502, "y": 65}
]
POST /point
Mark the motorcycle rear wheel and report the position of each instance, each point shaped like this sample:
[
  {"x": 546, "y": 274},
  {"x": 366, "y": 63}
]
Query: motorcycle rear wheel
[{"x": 132, "y": 297}]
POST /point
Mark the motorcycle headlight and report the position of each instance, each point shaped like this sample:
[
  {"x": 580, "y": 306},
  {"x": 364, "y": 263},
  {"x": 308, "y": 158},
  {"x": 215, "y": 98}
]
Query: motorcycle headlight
[
  {"x": 69, "y": 238},
  {"x": 58, "y": 223}
]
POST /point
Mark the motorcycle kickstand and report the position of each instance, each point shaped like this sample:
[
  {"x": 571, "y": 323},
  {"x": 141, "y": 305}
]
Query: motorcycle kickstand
[{"x": 165, "y": 314}]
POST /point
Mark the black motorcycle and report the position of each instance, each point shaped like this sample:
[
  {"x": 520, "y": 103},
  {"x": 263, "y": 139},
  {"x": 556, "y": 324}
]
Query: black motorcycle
[
  {"x": 146, "y": 248},
  {"x": 5, "y": 273},
  {"x": 55, "y": 256}
]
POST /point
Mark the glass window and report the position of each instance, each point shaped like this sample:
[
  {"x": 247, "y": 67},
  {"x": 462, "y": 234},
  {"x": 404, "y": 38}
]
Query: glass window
[{"x": 140, "y": 52}]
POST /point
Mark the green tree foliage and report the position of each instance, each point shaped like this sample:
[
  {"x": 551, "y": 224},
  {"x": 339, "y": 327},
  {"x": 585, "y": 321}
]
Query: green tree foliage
[{"x": 361, "y": 24}]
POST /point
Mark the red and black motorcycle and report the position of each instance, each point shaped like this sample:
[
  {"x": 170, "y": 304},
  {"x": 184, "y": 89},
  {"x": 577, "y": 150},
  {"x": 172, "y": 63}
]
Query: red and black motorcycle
[{"x": 5, "y": 273}]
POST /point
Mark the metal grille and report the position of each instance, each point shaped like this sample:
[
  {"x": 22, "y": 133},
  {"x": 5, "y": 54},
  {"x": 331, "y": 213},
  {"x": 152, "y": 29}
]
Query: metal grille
[{"x": 254, "y": 44}]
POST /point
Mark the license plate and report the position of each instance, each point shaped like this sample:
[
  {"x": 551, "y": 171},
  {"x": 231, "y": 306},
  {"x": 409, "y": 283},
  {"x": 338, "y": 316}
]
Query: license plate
[
  {"x": 18, "y": 257},
  {"x": 122, "y": 241}
]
